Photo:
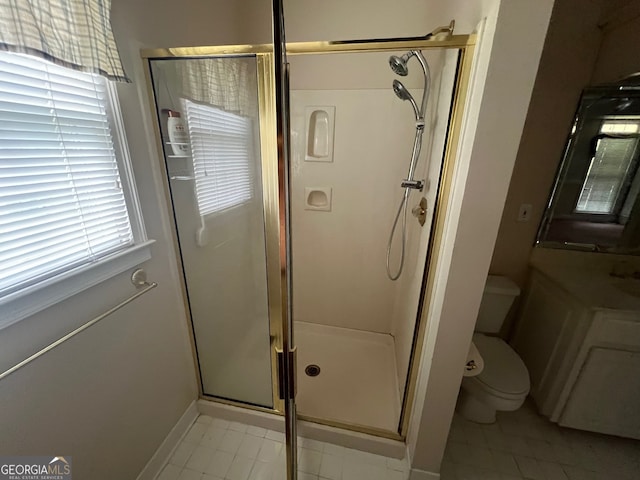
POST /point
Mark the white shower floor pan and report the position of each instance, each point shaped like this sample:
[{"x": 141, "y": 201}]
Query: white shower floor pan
[{"x": 357, "y": 383}]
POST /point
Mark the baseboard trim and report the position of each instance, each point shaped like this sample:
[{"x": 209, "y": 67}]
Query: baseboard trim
[
  {"x": 153, "y": 467},
  {"x": 422, "y": 475}
]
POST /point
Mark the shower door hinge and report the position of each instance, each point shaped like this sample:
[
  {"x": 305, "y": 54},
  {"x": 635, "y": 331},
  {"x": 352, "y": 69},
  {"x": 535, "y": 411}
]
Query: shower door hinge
[{"x": 287, "y": 374}]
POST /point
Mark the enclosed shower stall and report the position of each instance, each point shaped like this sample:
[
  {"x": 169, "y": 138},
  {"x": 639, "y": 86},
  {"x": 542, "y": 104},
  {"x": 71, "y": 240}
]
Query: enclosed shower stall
[
  {"x": 370, "y": 158},
  {"x": 347, "y": 196}
]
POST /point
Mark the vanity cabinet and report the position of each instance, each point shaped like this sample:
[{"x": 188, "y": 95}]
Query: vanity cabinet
[{"x": 583, "y": 359}]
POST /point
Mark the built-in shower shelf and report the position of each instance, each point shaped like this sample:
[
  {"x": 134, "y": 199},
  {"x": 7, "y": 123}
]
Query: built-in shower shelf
[
  {"x": 320, "y": 123},
  {"x": 182, "y": 177}
]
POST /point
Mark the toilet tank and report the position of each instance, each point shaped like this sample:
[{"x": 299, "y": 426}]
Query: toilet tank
[{"x": 499, "y": 294}]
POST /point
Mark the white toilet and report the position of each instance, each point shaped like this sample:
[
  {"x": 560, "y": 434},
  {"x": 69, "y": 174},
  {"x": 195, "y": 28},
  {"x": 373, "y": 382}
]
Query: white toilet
[{"x": 503, "y": 384}]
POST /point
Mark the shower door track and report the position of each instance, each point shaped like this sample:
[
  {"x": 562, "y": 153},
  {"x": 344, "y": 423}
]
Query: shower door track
[
  {"x": 273, "y": 195},
  {"x": 461, "y": 42}
]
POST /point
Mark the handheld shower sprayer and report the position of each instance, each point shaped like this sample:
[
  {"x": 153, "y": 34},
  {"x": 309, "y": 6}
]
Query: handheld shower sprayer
[
  {"x": 400, "y": 67},
  {"x": 403, "y": 94}
]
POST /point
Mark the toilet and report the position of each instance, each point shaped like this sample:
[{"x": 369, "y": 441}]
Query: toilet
[{"x": 503, "y": 383}]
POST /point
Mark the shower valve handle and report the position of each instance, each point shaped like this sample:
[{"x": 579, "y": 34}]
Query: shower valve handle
[{"x": 420, "y": 211}]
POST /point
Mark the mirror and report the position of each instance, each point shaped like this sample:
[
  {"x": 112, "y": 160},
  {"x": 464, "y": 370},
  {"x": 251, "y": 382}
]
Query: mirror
[{"x": 595, "y": 204}]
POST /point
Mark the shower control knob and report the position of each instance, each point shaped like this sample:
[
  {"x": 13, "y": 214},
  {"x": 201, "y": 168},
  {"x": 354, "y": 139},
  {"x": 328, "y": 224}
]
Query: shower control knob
[{"x": 420, "y": 211}]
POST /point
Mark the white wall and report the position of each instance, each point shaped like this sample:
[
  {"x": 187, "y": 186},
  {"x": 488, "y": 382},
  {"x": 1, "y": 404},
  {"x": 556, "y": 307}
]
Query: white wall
[
  {"x": 339, "y": 256},
  {"x": 505, "y": 70},
  {"x": 109, "y": 396}
]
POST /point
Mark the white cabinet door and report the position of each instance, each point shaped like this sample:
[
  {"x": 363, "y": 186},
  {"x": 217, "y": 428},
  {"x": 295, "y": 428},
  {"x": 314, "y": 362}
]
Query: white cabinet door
[
  {"x": 606, "y": 395},
  {"x": 548, "y": 337}
]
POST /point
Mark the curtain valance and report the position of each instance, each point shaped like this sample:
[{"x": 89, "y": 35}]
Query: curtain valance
[{"x": 72, "y": 33}]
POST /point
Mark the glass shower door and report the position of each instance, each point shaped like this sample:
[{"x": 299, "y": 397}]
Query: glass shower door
[
  {"x": 208, "y": 110},
  {"x": 287, "y": 354}
]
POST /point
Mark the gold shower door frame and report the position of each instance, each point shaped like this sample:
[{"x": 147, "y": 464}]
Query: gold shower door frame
[{"x": 274, "y": 196}]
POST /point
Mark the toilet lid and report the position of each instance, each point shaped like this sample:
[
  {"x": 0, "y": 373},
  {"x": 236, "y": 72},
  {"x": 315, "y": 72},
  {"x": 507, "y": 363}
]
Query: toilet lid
[{"x": 504, "y": 371}]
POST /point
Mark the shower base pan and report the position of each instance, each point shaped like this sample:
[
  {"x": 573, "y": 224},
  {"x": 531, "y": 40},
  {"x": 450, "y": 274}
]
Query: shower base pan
[{"x": 356, "y": 383}]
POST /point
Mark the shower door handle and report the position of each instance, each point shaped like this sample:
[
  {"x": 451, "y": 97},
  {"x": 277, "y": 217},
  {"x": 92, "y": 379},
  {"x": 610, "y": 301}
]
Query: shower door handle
[
  {"x": 287, "y": 385},
  {"x": 282, "y": 375}
]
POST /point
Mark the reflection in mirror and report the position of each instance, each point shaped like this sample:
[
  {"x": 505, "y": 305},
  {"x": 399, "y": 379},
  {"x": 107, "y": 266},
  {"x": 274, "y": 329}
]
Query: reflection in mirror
[
  {"x": 208, "y": 115},
  {"x": 594, "y": 203}
]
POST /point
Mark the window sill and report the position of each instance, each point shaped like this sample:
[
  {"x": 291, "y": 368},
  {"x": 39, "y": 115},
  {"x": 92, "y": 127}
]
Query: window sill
[
  {"x": 31, "y": 300},
  {"x": 220, "y": 220}
]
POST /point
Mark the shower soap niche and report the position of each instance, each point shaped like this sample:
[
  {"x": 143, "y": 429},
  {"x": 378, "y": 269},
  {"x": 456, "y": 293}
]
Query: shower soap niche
[
  {"x": 317, "y": 198},
  {"x": 320, "y": 123}
]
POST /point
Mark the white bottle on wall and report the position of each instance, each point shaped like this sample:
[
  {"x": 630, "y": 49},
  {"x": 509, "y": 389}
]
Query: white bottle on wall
[{"x": 178, "y": 137}]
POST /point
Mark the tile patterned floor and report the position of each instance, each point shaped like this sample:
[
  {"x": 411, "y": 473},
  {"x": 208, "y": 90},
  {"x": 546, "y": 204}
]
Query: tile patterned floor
[
  {"x": 524, "y": 445},
  {"x": 520, "y": 445},
  {"x": 215, "y": 449}
]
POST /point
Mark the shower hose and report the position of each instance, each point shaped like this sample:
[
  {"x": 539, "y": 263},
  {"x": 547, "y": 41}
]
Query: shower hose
[{"x": 402, "y": 209}]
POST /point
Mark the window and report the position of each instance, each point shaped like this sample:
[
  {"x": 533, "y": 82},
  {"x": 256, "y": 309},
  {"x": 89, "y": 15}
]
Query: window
[
  {"x": 221, "y": 146},
  {"x": 64, "y": 205},
  {"x": 613, "y": 159}
]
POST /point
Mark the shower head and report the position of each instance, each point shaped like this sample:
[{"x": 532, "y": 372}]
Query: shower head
[
  {"x": 399, "y": 64},
  {"x": 403, "y": 94}
]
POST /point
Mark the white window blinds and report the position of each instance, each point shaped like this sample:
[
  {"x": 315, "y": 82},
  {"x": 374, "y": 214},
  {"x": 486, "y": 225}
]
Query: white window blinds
[
  {"x": 608, "y": 169},
  {"x": 61, "y": 200},
  {"x": 221, "y": 146}
]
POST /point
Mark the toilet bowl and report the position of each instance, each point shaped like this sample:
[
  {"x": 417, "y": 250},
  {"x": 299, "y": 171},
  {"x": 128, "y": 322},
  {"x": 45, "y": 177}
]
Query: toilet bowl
[{"x": 503, "y": 384}]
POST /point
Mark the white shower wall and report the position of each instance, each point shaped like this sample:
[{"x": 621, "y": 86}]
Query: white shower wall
[{"x": 339, "y": 256}]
